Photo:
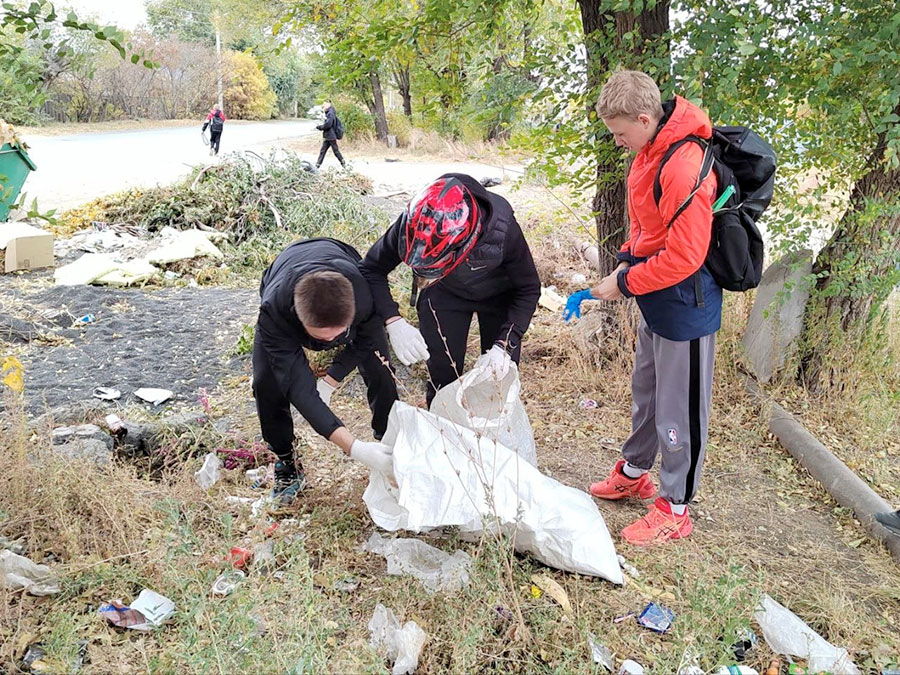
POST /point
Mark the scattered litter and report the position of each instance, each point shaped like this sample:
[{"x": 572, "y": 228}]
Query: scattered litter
[
  {"x": 346, "y": 585},
  {"x": 148, "y": 611},
  {"x": 262, "y": 503},
  {"x": 746, "y": 640},
  {"x": 628, "y": 568},
  {"x": 657, "y": 618},
  {"x": 262, "y": 476},
  {"x": 775, "y": 668},
  {"x": 184, "y": 245},
  {"x": 491, "y": 181},
  {"x": 630, "y": 667},
  {"x": 33, "y": 658},
  {"x": 87, "y": 318},
  {"x": 106, "y": 393},
  {"x": 18, "y": 573},
  {"x": 734, "y": 670},
  {"x": 115, "y": 425},
  {"x": 693, "y": 669},
  {"x": 436, "y": 569},
  {"x": 264, "y": 557},
  {"x": 128, "y": 274},
  {"x": 600, "y": 653},
  {"x": 17, "y": 546},
  {"x": 402, "y": 645},
  {"x": 787, "y": 634},
  {"x": 238, "y": 501},
  {"x": 578, "y": 279},
  {"x": 620, "y": 619},
  {"x": 588, "y": 404},
  {"x": 208, "y": 474},
  {"x": 227, "y": 582},
  {"x": 550, "y": 299},
  {"x": 440, "y": 467},
  {"x": 239, "y": 557},
  {"x": 554, "y": 590},
  {"x": 152, "y": 395},
  {"x": 85, "y": 270},
  {"x": 171, "y": 275}
]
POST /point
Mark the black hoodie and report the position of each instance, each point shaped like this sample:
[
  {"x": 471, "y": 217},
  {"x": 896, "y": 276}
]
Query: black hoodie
[
  {"x": 498, "y": 270},
  {"x": 282, "y": 337}
]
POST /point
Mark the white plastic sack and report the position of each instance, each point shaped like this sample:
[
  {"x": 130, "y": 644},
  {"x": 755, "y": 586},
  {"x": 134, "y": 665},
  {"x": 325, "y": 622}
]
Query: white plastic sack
[
  {"x": 436, "y": 569},
  {"x": 490, "y": 407},
  {"x": 403, "y": 645},
  {"x": 85, "y": 270},
  {"x": 19, "y": 573},
  {"x": 183, "y": 245},
  {"x": 208, "y": 474},
  {"x": 787, "y": 634},
  {"x": 444, "y": 473}
]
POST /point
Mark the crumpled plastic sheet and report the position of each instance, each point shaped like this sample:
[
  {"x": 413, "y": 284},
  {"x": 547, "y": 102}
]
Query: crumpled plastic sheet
[
  {"x": 208, "y": 474},
  {"x": 448, "y": 476},
  {"x": 436, "y": 569},
  {"x": 19, "y": 573},
  {"x": 402, "y": 645},
  {"x": 787, "y": 634}
]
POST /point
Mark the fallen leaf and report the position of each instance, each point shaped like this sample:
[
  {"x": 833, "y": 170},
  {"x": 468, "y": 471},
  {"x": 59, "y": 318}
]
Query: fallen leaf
[{"x": 554, "y": 590}]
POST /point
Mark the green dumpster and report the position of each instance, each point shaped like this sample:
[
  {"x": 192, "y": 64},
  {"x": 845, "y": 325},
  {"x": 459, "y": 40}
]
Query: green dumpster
[{"x": 15, "y": 165}]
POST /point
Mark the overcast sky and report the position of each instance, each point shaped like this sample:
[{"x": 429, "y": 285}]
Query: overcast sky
[{"x": 122, "y": 13}]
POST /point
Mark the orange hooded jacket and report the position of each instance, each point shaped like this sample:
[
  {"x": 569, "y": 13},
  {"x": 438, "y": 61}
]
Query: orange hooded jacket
[{"x": 668, "y": 255}]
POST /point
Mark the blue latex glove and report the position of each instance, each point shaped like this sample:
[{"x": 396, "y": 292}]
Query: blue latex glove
[{"x": 573, "y": 304}]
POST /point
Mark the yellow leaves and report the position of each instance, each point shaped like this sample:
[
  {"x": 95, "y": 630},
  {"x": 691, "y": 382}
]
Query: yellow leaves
[{"x": 12, "y": 374}]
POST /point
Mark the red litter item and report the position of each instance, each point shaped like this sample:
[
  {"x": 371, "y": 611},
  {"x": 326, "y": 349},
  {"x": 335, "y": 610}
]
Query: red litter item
[{"x": 239, "y": 557}]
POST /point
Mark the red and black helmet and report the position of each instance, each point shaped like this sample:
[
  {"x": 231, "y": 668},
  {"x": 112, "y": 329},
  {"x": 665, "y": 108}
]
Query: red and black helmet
[{"x": 442, "y": 224}]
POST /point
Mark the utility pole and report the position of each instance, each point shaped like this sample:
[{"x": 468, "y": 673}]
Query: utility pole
[{"x": 219, "y": 57}]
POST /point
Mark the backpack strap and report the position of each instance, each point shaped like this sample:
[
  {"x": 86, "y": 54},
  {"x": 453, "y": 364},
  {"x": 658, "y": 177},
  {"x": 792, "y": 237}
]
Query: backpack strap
[{"x": 705, "y": 168}]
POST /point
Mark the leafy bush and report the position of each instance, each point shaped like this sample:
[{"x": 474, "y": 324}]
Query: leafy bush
[
  {"x": 357, "y": 121},
  {"x": 249, "y": 97},
  {"x": 400, "y": 125}
]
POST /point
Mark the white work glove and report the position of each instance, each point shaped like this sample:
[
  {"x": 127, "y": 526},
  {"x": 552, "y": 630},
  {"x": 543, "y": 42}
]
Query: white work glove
[
  {"x": 325, "y": 391},
  {"x": 376, "y": 456},
  {"x": 497, "y": 360},
  {"x": 407, "y": 341}
]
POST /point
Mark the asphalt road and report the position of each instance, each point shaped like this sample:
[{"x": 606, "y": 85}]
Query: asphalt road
[{"x": 76, "y": 168}]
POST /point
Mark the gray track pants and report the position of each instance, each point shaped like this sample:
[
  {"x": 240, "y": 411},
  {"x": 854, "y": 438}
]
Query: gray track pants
[{"x": 671, "y": 389}]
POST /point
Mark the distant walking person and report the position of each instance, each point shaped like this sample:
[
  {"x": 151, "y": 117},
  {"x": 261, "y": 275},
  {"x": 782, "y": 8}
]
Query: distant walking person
[
  {"x": 332, "y": 130},
  {"x": 215, "y": 121}
]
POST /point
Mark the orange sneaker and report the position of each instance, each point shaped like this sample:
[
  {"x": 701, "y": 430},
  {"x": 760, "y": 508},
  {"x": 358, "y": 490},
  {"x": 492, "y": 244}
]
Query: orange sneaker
[
  {"x": 619, "y": 486},
  {"x": 658, "y": 525}
]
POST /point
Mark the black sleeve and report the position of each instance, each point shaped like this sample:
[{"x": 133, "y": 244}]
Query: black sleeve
[
  {"x": 294, "y": 377},
  {"x": 205, "y": 124},
  {"x": 328, "y": 123},
  {"x": 380, "y": 261},
  {"x": 355, "y": 352},
  {"x": 519, "y": 267}
]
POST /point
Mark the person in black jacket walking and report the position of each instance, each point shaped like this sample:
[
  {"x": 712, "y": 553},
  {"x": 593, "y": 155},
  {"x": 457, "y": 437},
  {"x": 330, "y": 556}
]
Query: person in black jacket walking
[
  {"x": 313, "y": 296},
  {"x": 468, "y": 256},
  {"x": 329, "y": 135},
  {"x": 216, "y": 123}
]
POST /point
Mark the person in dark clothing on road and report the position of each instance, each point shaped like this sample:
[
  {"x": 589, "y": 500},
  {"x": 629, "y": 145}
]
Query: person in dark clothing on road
[
  {"x": 314, "y": 296},
  {"x": 329, "y": 135},
  {"x": 468, "y": 256},
  {"x": 216, "y": 122}
]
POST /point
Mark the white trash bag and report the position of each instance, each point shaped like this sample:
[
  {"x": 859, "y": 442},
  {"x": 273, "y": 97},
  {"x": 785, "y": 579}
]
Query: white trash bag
[
  {"x": 787, "y": 634},
  {"x": 490, "y": 407},
  {"x": 402, "y": 646},
  {"x": 444, "y": 474}
]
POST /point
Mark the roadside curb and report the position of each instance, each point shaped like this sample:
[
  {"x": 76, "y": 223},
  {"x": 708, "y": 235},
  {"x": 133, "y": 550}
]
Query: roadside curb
[{"x": 847, "y": 489}]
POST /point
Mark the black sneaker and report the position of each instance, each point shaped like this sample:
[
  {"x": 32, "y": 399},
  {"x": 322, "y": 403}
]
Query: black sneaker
[
  {"x": 890, "y": 519},
  {"x": 289, "y": 482}
]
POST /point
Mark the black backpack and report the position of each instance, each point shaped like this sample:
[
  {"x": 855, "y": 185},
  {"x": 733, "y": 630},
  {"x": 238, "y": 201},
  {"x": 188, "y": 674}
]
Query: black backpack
[
  {"x": 216, "y": 123},
  {"x": 744, "y": 161},
  {"x": 338, "y": 128}
]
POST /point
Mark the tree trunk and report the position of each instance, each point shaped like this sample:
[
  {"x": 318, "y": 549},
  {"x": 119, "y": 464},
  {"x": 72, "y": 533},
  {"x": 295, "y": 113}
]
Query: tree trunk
[
  {"x": 856, "y": 272},
  {"x": 401, "y": 80},
  {"x": 609, "y": 205},
  {"x": 377, "y": 109}
]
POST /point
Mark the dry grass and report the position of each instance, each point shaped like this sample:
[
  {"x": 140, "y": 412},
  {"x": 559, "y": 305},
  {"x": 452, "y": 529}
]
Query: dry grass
[{"x": 762, "y": 525}]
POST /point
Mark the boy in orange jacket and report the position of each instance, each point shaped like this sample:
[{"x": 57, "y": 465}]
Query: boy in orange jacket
[{"x": 662, "y": 267}]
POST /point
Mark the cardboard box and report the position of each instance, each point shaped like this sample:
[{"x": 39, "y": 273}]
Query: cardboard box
[{"x": 25, "y": 247}]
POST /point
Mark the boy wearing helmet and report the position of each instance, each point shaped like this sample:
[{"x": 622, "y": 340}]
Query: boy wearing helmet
[{"x": 468, "y": 256}]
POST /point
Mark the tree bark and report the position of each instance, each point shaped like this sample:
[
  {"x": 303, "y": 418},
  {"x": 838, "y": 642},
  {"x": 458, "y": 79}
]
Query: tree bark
[
  {"x": 610, "y": 213},
  {"x": 864, "y": 248},
  {"x": 401, "y": 80},
  {"x": 374, "y": 100}
]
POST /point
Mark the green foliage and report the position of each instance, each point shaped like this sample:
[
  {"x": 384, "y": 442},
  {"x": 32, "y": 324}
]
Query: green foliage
[
  {"x": 20, "y": 100},
  {"x": 291, "y": 78},
  {"x": 188, "y": 20},
  {"x": 249, "y": 96},
  {"x": 401, "y": 127},
  {"x": 356, "y": 120}
]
